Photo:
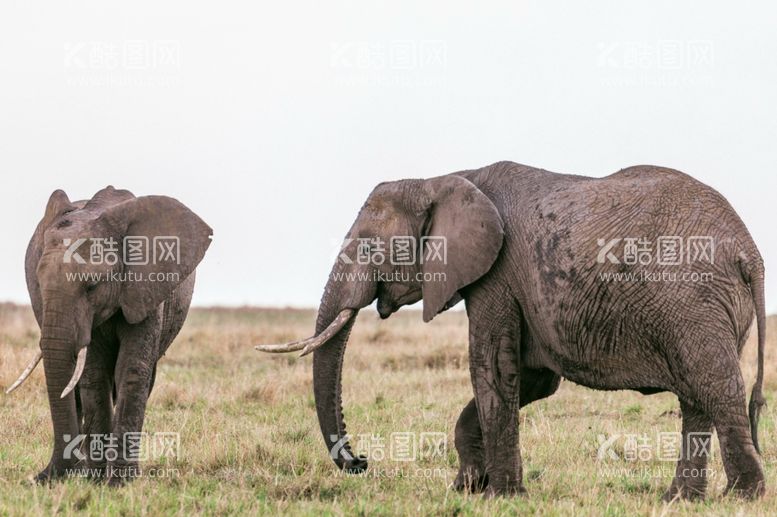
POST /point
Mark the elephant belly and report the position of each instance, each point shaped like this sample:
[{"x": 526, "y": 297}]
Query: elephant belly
[{"x": 606, "y": 367}]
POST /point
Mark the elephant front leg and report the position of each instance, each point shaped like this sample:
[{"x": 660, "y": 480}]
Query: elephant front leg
[
  {"x": 134, "y": 373},
  {"x": 495, "y": 371},
  {"x": 66, "y": 457},
  {"x": 97, "y": 402},
  {"x": 535, "y": 385}
]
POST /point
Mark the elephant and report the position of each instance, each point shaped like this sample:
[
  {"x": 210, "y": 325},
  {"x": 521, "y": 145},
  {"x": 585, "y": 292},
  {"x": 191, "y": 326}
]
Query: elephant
[
  {"x": 536, "y": 257},
  {"x": 110, "y": 281}
]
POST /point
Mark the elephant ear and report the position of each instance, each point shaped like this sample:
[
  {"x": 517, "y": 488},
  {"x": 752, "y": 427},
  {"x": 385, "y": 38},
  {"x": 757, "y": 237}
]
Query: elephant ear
[
  {"x": 162, "y": 243},
  {"x": 463, "y": 237},
  {"x": 57, "y": 205}
]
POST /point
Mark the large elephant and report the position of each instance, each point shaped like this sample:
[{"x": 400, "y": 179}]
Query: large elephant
[
  {"x": 557, "y": 283},
  {"x": 110, "y": 281}
]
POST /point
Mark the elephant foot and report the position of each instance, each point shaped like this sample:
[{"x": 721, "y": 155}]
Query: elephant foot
[
  {"x": 470, "y": 479},
  {"x": 749, "y": 485},
  {"x": 492, "y": 492},
  {"x": 504, "y": 483},
  {"x": 684, "y": 491},
  {"x": 46, "y": 476},
  {"x": 116, "y": 482},
  {"x": 54, "y": 472}
]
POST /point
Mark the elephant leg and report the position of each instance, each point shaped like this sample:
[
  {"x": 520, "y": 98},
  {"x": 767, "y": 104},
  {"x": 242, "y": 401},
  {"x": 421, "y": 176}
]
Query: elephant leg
[
  {"x": 740, "y": 459},
  {"x": 720, "y": 393},
  {"x": 138, "y": 354},
  {"x": 690, "y": 480},
  {"x": 79, "y": 405},
  {"x": 96, "y": 395},
  {"x": 469, "y": 445},
  {"x": 494, "y": 334},
  {"x": 535, "y": 385}
]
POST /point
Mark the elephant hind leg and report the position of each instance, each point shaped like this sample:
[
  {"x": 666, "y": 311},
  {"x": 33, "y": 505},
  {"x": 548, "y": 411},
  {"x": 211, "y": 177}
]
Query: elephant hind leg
[
  {"x": 740, "y": 459},
  {"x": 719, "y": 390},
  {"x": 690, "y": 481},
  {"x": 535, "y": 385}
]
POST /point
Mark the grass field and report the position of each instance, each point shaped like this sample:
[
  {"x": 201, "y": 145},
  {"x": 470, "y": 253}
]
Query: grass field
[{"x": 249, "y": 439}]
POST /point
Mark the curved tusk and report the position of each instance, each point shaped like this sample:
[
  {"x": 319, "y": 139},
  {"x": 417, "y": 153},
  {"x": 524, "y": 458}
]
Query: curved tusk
[
  {"x": 286, "y": 347},
  {"x": 330, "y": 331},
  {"x": 26, "y": 373},
  {"x": 312, "y": 343},
  {"x": 80, "y": 363}
]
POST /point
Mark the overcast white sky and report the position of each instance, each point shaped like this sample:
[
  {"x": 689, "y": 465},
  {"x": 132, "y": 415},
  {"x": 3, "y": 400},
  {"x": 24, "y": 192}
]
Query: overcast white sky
[{"x": 273, "y": 121}]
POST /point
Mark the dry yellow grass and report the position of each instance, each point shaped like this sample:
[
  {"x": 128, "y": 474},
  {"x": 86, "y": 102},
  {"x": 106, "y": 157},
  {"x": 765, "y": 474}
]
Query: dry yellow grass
[{"x": 249, "y": 440}]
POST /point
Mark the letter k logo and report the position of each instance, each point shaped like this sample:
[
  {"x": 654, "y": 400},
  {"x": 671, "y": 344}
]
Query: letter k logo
[{"x": 605, "y": 251}]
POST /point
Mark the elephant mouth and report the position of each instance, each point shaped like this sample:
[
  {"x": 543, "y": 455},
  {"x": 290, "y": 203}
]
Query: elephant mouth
[
  {"x": 385, "y": 310},
  {"x": 388, "y": 304}
]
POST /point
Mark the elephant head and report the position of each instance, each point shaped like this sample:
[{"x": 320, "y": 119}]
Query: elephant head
[
  {"x": 81, "y": 272},
  {"x": 448, "y": 210}
]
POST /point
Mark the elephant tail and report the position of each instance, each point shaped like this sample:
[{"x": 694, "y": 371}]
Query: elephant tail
[{"x": 757, "y": 400}]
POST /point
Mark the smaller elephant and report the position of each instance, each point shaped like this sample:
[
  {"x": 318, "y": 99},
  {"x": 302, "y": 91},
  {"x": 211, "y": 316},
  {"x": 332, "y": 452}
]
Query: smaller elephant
[{"x": 110, "y": 281}]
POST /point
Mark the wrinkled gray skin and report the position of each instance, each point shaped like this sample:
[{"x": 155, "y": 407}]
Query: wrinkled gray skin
[
  {"x": 125, "y": 325},
  {"x": 522, "y": 252}
]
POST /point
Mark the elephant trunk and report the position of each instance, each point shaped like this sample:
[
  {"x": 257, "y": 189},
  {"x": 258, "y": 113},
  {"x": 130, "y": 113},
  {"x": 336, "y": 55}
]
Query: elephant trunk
[
  {"x": 327, "y": 388},
  {"x": 58, "y": 342},
  {"x": 347, "y": 290},
  {"x": 328, "y": 366}
]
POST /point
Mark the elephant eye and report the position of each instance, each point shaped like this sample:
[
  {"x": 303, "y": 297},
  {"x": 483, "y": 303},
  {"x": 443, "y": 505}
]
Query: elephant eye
[{"x": 91, "y": 287}]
